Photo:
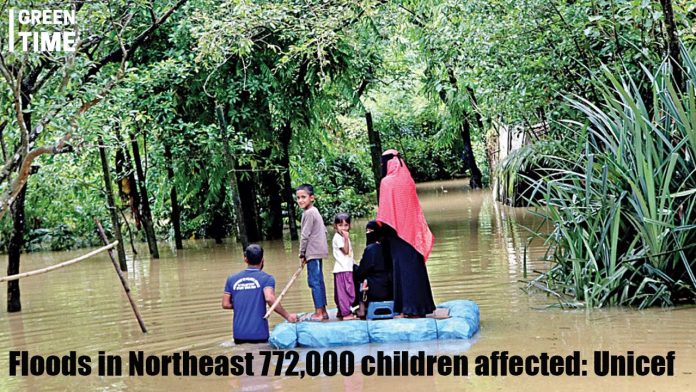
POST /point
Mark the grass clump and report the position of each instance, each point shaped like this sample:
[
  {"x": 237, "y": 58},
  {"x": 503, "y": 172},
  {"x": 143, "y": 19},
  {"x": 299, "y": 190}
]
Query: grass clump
[{"x": 622, "y": 199}]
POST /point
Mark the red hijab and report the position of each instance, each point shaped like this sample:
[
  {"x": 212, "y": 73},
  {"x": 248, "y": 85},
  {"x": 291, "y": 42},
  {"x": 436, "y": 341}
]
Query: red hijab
[{"x": 400, "y": 208}]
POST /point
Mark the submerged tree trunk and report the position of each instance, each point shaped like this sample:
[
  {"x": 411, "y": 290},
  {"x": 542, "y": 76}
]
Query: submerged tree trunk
[
  {"x": 176, "y": 216},
  {"x": 272, "y": 187},
  {"x": 216, "y": 228},
  {"x": 247, "y": 196},
  {"x": 672, "y": 42},
  {"x": 375, "y": 150},
  {"x": 468, "y": 155},
  {"x": 289, "y": 193},
  {"x": 14, "y": 251},
  {"x": 111, "y": 205},
  {"x": 144, "y": 201},
  {"x": 125, "y": 178},
  {"x": 14, "y": 248},
  {"x": 465, "y": 132},
  {"x": 237, "y": 204}
]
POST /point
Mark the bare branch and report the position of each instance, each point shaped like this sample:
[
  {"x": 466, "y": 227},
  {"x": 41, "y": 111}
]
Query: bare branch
[
  {"x": 19, "y": 109},
  {"x": 153, "y": 17},
  {"x": 145, "y": 36},
  {"x": 37, "y": 86},
  {"x": 2, "y": 140},
  {"x": 16, "y": 186},
  {"x": 5, "y": 72}
]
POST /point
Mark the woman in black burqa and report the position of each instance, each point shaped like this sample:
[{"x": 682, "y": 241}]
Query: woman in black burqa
[{"x": 373, "y": 275}]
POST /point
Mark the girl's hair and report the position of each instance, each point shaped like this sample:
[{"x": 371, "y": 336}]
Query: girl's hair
[{"x": 342, "y": 217}]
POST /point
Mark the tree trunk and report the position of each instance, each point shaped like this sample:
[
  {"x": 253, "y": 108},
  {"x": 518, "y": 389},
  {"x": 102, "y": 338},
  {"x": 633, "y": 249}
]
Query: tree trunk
[
  {"x": 247, "y": 196},
  {"x": 672, "y": 42},
  {"x": 477, "y": 114},
  {"x": 465, "y": 131},
  {"x": 375, "y": 150},
  {"x": 127, "y": 187},
  {"x": 468, "y": 155},
  {"x": 176, "y": 216},
  {"x": 144, "y": 201},
  {"x": 14, "y": 251},
  {"x": 286, "y": 135},
  {"x": 14, "y": 248},
  {"x": 125, "y": 178},
  {"x": 237, "y": 204},
  {"x": 111, "y": 205},
  {"x": 216, "y": 229},
  {"x": 272, "y": 187}
]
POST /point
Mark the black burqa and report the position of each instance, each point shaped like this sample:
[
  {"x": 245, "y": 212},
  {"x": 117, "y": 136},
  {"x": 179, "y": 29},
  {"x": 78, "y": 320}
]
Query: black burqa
[{"x": 375, "y": 267}]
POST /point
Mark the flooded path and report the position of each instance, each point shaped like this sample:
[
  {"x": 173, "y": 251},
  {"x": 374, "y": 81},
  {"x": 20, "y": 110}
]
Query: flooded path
[{"x": 478, "y": 255}]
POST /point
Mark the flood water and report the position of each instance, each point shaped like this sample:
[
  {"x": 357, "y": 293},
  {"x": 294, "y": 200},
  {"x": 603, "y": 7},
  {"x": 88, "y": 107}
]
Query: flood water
[{"x": 478, "y": 255}]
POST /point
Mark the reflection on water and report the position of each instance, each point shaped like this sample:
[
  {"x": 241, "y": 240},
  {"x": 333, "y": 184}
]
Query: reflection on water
[{"x": 478, "y": 255}]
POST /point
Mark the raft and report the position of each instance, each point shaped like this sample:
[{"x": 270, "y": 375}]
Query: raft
[{"x": 463, "y": 323}]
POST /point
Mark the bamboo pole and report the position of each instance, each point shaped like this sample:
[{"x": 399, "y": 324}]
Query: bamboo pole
[
  {"x": 60, "y": 265},
  {"x": 124, "y": 282},
  {"x": 285, "y": 290}
]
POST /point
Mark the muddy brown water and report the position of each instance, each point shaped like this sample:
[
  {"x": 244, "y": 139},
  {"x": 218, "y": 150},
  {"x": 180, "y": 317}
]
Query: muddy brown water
[{"x": 478, "y": 255}]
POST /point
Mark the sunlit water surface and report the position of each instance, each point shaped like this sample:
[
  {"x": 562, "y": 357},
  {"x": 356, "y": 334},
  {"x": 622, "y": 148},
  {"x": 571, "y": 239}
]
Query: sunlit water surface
[{"x": 479, "y": 255}]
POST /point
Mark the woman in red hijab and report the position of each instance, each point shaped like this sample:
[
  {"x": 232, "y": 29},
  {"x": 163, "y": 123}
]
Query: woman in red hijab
[{"x": 408, "y": 236}]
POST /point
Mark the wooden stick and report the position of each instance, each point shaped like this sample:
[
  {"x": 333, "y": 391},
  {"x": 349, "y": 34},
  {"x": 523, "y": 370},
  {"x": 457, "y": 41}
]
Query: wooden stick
[
  {"x": 124, "y": 282},
  {"x": 60, "y": 265},
  {"x": 285, "y": 290}
]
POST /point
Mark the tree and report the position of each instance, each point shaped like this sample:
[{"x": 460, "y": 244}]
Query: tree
[{"x": 51, "y": 92}]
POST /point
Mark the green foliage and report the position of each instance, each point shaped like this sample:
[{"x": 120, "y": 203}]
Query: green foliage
[
  {"x": 294, "y": 90},
  {"x": 339, "y": 168},
  {"x": 623, "y": 207}
]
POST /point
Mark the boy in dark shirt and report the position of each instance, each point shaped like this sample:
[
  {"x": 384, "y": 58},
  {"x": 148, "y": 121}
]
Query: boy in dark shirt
[{"x": 248, "y": 292}]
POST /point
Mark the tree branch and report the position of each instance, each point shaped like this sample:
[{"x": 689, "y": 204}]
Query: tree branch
[
  {"x": 146, "y": 35},
  {"x": 121, "y": 54}
]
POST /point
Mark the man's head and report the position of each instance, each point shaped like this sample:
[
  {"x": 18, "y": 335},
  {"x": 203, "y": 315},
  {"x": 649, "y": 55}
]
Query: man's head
[{"x": 253, "y": 255}]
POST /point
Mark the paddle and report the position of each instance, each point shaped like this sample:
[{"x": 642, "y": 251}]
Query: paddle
[{"x": 285, "y": 290}]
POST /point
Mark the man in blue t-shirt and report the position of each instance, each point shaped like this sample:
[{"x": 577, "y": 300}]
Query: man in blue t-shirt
[{"x": 248, "y": 292}]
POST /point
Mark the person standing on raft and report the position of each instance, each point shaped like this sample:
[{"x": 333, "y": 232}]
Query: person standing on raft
[
  {"x": 313, "y": 248},
  {"x": 344, "y": 288},
  {"x": 407, "y": 235}
]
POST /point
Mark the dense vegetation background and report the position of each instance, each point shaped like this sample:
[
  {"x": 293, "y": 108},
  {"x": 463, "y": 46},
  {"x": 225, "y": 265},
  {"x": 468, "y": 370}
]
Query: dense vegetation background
[{"x": 202, "y": 115}]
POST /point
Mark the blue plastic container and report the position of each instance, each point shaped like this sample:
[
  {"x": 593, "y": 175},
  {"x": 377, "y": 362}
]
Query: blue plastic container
[{"x": 380, "y": 310}]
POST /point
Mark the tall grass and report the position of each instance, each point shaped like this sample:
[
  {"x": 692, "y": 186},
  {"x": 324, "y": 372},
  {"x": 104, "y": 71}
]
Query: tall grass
[{"x": 622, "y": 198}]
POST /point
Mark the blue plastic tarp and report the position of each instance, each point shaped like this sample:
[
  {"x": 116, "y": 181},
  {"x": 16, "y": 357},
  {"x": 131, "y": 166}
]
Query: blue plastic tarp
[
  {"x": 284, "y": 336},
  {"x": 463, "y": 324},
  {"x": 402, "y": 330},
  {"x": 463, "y": 308},
  {"x": 340, "y": 333}
]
